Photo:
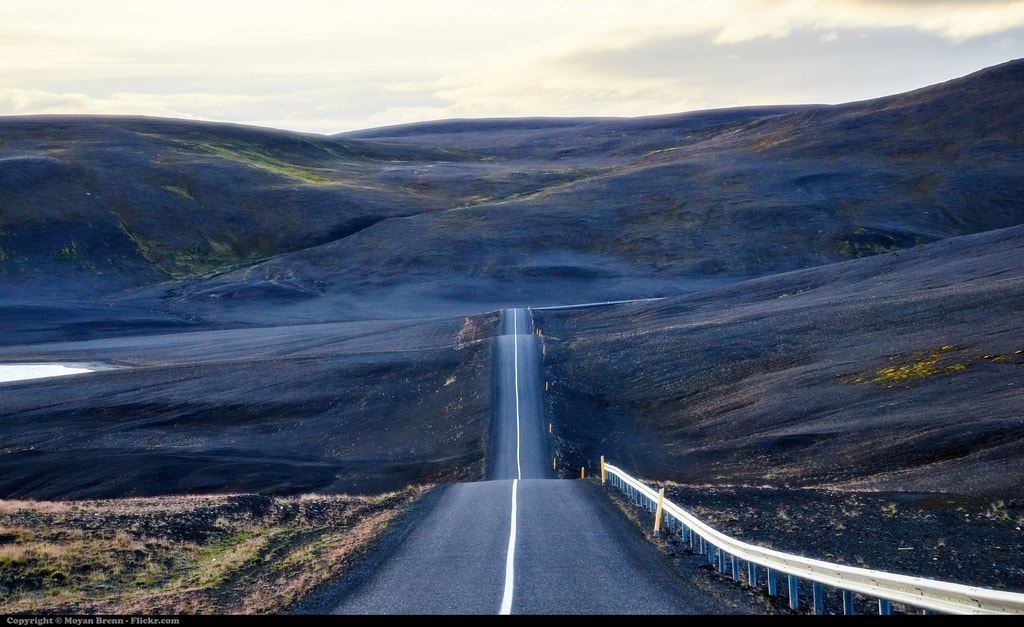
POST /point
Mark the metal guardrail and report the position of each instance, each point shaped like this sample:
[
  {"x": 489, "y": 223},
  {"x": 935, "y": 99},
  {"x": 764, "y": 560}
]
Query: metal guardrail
[{"x": 928, "y": 594}]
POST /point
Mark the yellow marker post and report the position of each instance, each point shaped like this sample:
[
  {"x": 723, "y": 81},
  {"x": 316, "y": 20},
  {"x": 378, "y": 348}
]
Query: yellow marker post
[
  {"x": 602, "y": 470},
  {"x": 583, "y": 473},
  {"x": 657, "y": 515}
]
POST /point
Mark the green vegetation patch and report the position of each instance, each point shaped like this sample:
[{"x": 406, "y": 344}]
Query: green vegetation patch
[
  {"x": 195, "y": 261},
  {"x": 180, "y": 191},
  {"x": 263, "y": 160},
  {"x": 864, "y": 242},
  {"x": 202, "y": 261},
  {"x": 69, "y": 251},
  {"x": 907, "y": 369}
]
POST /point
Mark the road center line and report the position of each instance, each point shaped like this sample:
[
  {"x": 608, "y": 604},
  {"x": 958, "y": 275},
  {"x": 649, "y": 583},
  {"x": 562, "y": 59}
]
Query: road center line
[
  {"x": 506, "y": 599},
  {"x": 515, "y": 367}
]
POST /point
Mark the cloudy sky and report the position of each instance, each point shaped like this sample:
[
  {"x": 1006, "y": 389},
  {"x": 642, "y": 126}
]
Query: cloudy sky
[{"x": 327, "y": 66}]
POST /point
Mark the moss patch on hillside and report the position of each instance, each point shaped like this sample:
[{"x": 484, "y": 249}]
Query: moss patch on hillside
[
  {"x": 907, "y": 369},
  {"x": 264, "y": 160}
]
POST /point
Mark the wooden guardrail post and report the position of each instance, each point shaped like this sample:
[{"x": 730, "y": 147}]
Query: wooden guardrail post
[{"x": 657, "y": 514}]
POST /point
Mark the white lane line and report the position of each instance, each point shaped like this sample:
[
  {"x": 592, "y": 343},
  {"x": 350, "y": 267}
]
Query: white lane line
[
  {"x": 515, "y": 344},
  {"x": 506, "y": 599}
]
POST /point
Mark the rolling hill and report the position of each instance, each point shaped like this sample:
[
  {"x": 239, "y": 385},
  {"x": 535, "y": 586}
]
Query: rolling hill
[{"x": 838, "y": 294}]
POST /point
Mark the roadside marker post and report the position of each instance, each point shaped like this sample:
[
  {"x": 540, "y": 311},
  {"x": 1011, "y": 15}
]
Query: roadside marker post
[
  {"x": 657, "y": 515},
  {"x": 602, "y": 470}
]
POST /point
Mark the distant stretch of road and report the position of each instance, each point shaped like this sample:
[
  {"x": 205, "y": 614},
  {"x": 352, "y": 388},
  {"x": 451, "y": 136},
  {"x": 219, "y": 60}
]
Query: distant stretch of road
[
  {"x": 520, "y": 542},
  {"x": 518, "y": 448}
]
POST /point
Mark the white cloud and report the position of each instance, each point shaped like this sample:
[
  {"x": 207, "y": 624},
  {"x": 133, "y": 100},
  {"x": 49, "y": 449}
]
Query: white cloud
[
  {"x": 956, "y": 20},
  {"x": 364, "y": 62},
  {"x": 209, "y": 106}
]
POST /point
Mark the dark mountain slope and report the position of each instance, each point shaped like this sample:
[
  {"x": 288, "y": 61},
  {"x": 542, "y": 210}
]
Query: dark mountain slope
[
  {"x": 902, "y": 372},
  {"x": 256, "y": 224},
  {"x": 654, "y": 206},
  {"x": 126, "y": 201}
]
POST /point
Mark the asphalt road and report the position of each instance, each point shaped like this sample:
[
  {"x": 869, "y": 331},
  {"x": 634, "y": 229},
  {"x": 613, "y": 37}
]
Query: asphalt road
[
  {"x": 520, "y": 543},
  {"x": 577, "y": 554},
  {"x": 518, "y": 448},
  {"x": 451, "y": 562},
  {"x": 573, "y": 553}
]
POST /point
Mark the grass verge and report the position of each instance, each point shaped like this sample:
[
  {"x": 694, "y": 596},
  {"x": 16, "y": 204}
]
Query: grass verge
[{"x": 230, "y": 554}]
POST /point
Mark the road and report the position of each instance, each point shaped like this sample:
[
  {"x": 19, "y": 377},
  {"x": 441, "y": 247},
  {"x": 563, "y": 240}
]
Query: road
[
  {"x": 518, "y": 448},
  {"x": 521, "y": 542}
]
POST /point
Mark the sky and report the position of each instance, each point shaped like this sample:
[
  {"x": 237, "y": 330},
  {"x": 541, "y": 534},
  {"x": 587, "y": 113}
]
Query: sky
[{"x": 330, "y": 66}]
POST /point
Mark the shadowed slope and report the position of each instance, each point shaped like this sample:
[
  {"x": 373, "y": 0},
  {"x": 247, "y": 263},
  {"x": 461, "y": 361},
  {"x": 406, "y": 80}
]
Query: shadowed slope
[
  {"x": 255, "y": 224},
  {"x": 358, "y": 408},
  {"x": 133, "y": 200},
  {"x": 899, "y": 372}
]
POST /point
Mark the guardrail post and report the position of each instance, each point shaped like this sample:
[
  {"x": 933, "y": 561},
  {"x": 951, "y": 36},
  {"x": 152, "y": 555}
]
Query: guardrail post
[
  {"x": 735, "y": 568},
  {"x": 884, "y": 607},
  {"x": 657, "y": 514},
  {"x": 794, "y": 599},
  {"x": 773, "y": 583},
  {"x": 819, "y": 598},
  {"x": 752, "y": 574},
  {"x": 721, "y": 561},
  {"x": 847, "y": 602},
  {"x": 703, "y": 546},
  {"x": 711, "y": 554}
]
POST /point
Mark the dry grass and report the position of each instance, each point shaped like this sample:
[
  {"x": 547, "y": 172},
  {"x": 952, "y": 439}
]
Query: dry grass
[{"x": 239, "y": 554}]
